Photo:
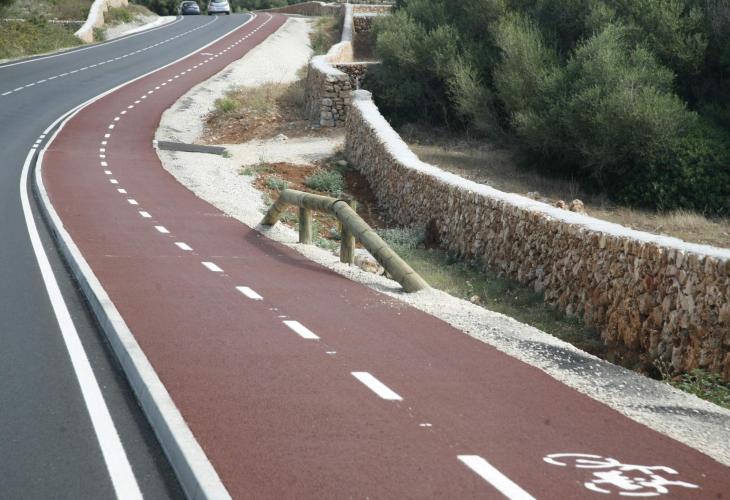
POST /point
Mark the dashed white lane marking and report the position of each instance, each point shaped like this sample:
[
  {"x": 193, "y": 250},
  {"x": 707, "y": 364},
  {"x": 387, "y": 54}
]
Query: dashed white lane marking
[
  {"x": 249, "y": 293},
  {"x": 120, "y": 470},
  {"x": 212, "y": 267},
  {"x": 144, "y": 214},
  {"x": 425, "y": 424},
  {"x": 487, "y": 472},
  {"x": 122, "y": 191},
  {"x": 162, "y": 229},
  {"x": 107, "y": 172},
  {"x": 132, "y": 201},
  {"x": 183, "y": 246},
  {"x": 377, "y": 386},
  {"x": 104, "y": 164},
  {"x": 103, "y": 143},
  {"x": 107, "y": 136},
  {"x": 114, "y": 181},
  {"x": 331, "y": 352},
  {"x": 301, "y": 330}
]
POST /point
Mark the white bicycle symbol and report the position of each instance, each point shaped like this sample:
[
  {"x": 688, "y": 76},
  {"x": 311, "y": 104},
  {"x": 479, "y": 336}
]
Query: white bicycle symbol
[{"x": 611, "y": 476}]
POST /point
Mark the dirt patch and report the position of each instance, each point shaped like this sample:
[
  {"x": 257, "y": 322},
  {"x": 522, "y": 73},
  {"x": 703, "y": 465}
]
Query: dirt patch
[{"x": 271, "y": 178}]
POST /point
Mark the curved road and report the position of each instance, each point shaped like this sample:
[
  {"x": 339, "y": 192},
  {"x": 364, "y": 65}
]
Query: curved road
[{"x": 50, "y": 384}]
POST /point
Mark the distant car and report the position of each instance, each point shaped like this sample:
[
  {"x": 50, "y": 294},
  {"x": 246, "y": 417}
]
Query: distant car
[
  {"x": 219, "y": 7},
  {"x": 189, "y": 9}
]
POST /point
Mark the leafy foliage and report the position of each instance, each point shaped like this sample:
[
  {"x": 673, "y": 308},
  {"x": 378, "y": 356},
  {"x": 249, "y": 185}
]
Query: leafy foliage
[{"x": 629, "y": 96}]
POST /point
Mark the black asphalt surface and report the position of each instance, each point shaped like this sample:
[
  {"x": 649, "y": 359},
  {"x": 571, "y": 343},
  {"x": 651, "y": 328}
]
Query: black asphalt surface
[{"x": 49, "y": 448}]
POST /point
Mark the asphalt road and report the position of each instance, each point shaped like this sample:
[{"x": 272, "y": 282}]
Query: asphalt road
[{"x": 51, "y": 448}]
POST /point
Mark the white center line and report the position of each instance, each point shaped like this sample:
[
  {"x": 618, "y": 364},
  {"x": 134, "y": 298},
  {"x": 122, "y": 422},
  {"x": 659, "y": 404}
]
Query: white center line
[
  {"x": 376, "y": 386},
  {"x": 249, "y": 293},
  {"x": 487, "y": 472},
  {"x": 183, "y": 246},
  {"x": 162, "y": 229},
  {"x": 212, "y": 267},
  {"x": 301, "y": 330}
]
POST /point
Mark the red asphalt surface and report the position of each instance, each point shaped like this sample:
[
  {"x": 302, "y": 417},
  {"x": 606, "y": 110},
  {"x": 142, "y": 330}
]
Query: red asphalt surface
[{"x": 281, "y": 416}]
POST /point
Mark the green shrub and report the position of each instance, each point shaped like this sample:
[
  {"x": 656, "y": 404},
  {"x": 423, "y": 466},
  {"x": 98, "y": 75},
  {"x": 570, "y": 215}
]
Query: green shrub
[
  {"x": 276, "y": 183},
  {"x": 99, "y": 34},
  {"x": 226, "y": 105},
  {"x": 118, "y": 15},
  {"x": 326, "y": 181},
  {"x": 19, "y": 38}
]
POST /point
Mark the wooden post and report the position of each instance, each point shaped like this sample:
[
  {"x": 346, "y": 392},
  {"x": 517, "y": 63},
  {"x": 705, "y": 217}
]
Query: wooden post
[
  {"x": 347, "y": 246},
  {"x": 305, "y": 226}
]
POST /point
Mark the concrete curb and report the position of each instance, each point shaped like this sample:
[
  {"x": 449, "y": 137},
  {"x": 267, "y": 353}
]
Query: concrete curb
[{"x": 196, "y": 474}]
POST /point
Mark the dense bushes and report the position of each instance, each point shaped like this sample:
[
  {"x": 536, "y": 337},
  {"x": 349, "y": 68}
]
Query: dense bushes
[
  {"x": 35, "y": 36},
  {"x": 629, "y": 96}
]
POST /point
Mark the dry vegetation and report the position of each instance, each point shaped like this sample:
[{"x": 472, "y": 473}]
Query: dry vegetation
[
  {"x": 247, "y": 113},
  {"x": 498, "y": 167}
]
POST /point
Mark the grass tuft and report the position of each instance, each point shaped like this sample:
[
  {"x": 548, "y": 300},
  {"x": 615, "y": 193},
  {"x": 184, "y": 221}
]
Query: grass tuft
[{"x": 327, "y": 181}]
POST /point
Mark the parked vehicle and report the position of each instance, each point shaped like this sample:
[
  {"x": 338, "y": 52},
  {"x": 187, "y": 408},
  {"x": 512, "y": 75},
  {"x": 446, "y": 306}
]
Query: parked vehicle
[
  {"x": 189, "y": 8},
  {"x": 219, "y": 7}
]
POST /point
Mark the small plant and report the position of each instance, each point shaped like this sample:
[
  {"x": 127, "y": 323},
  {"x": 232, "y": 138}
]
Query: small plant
[
  {"x": 248, "y": 171},
  {"x": 276, "y": 183},
  {"x": 327, "y": 181},
  {"x": 404, "y": 237},
  {"x": 226, "y": 105},
  {"x": 99, "y": 34},
  {"x": 705, "y": 385},
  {"x": 118, "y": 15}
]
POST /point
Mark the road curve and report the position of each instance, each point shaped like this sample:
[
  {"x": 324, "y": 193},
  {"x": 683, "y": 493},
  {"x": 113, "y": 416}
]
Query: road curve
[
  {"x": 67, "y": 414},
  {"x": 300, "y": 383}
]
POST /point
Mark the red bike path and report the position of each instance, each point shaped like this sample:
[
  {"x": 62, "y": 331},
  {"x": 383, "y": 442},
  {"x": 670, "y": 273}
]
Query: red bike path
[{"x": 281, "y": 415}]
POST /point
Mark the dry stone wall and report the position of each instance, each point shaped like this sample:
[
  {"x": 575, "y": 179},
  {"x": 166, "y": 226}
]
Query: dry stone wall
[{"x": 656, "y": 295}]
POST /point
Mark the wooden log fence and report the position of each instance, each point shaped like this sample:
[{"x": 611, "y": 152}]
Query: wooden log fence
[{"x": 352, "y": 228}]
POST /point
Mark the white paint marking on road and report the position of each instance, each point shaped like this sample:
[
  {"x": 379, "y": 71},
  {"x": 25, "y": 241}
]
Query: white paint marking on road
[
  {"x": 377, "y": 386},
  {"x": 111, "y": 126},
  {"x": 103, "y": 143},
  {"x": 102, "y": 150},
  {"x": 183, "y": 246},
  {"x": 137, "y": 101},
  {"x": 144, "y": 214},
  {"x": 301, "y": 330},
  {"x": 162, "y": 229},
  {"x": 122, "y": 477},
  {"x": 114, "y": 181},
  {"x": 106, "y": 136},
  {"x": 501, "y": 482},
  {"x": 108, "y": 172},
  {"x": 122, "y": 191},
  {"x": 249, "y": 293},
  {"x": 425, "y": 424},
  {"x": 7, "y": 93},
  {"x": 117, "y": 118},
  {"x": 131, "y": 106},
  {"x": 331, "y": 353},
  {"x": 102, "y": 156},
  {"x": 212, "y": 267},
  {"x": 132, "y": 201},
  {"x": 104, "y": 164}
]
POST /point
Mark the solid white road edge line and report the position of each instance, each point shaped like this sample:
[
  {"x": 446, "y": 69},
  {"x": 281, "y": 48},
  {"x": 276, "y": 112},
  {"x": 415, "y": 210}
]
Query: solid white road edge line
[
  {"x": 301, "y": 330},
  {"x": 192, "y": 467},
  {"x": 487, "y": 472},
  {"x": 377, "y": 386},
  {"x": 117, "y": 463}
]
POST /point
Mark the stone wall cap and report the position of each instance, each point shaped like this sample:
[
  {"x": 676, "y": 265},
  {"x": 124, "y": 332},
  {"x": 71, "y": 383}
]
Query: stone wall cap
[{"x": 362, "y": 101}]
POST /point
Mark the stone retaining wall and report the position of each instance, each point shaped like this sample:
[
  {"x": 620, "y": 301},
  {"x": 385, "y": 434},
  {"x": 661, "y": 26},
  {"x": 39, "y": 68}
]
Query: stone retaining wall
[
  {"x": 95, "y": 18},
  {"x": 356, "y": 71},
  {"x": 656, "y": 295},
  {"x": 331, "y": 77},
  {"x": 363, "y": 23}
]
